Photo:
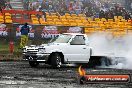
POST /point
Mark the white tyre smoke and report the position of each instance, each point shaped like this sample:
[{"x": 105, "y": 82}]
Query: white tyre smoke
[{"x": 121, "y": 47}]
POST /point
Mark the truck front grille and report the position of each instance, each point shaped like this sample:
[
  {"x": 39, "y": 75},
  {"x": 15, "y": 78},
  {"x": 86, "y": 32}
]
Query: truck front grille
[
  {"x": 32, "y": 51},
  {"x": 32, "y": 57}
]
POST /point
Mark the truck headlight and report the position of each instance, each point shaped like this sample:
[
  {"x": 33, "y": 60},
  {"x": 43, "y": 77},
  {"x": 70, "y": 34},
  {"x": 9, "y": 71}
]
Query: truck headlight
[
  {"x": 41, "y": 49},
  {"x": 24, "y": 50}
]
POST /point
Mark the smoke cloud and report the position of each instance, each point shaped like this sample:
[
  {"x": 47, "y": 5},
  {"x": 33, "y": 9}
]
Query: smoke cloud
[{"x": 119, "y": 48}]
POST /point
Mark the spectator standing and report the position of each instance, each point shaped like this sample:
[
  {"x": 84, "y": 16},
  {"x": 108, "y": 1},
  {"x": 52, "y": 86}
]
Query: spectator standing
[
  {"x": 8, "y": 6},
  {"x": 56, "y": 6},
  {"x": 2, "y": 4},
  {"x": 131, "y": 6},
  {"x": 101, "y": 14},
  {"x": 40, "y": 1},
  {"x": 30, "y": 6},
  {"x": 110, "y": 15},
  {"x": 127, "y": 16},
  {"x": 118, "y": 11},
  {"x": 26, "y": 3},
  {"x": 34, "y": 5},
  {"x": 44, "y": 15},
  {"x": 24, "y": 35},
  {"x": 44, "y": 6},
  {"x": 70, "y": 8},
  {"x": 50, "y": 9},
  {"x": 77, "y": 7}
]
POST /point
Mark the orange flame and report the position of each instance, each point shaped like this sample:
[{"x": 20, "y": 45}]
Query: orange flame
[{"x": 81, "y": 71}]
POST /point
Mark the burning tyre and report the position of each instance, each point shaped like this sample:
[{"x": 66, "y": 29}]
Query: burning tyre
[{"x": 99, "y": 61}]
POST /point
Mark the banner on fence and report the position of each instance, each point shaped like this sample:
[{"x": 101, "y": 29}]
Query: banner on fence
[
  {"x": 49, "y": 32},
  {"x": 37, "y": 32},
  {"x": 3, "y": 30},
  {"x": 75, "y": 30}
]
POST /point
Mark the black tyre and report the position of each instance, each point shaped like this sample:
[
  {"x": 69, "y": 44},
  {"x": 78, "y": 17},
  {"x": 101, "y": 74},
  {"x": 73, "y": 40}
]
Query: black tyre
[
  {"x": 82, "y": 80},
  {"x": 56, "y": 60},
  {"x": 99, "y": 61},
  {"x": 105, "y": 61},
  {"x": 93, "y": 62},
  {"x": 33, "y": 63}
]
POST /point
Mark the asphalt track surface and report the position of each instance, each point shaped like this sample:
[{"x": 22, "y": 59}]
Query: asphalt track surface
[{"x": 18, "y": 74}]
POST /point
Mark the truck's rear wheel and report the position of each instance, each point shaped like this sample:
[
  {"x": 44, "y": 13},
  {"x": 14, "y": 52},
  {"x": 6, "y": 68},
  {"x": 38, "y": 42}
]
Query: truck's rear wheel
[
  {"x": 99, "y": 61},
  {"x": 104, "y": 61},
  {"x": 33, "y": 63},
  {"x": 56, "y": 60}
]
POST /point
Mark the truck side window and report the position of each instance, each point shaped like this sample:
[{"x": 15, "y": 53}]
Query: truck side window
[{"x": 78, "y": 40}]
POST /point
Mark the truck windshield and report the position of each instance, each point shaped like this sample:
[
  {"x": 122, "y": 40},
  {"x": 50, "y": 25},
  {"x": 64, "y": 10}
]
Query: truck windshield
[{"x": 64, "y": 38}]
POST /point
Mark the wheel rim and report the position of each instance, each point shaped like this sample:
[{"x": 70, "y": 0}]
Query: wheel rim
[
  {"x": 58, "y": 61},
  {"x": 35, "y": 63},
  {"x": 105, "y": 62}
]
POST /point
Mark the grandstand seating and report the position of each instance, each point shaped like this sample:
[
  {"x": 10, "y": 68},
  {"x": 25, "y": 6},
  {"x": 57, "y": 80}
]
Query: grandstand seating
[
  {"x": 58, "y": 23},
  {"x": 1, "y": 19},
  {"x": 8, "y": 18},
  {"x": 42, "y": 22},
  {"x": 117, "y": 26}
]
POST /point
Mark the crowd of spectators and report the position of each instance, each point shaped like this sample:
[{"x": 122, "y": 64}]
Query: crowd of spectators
[
  {"x": 2, "y": 4},
  {"x": 95, "y": 8},
  {"x": 115, "y": 11},
  {"x": 62, "y": 6},
  {"x": 5, "y": 4}
]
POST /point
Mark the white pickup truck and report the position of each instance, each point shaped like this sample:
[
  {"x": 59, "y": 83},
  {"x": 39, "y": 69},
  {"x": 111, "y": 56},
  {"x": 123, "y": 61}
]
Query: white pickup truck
[{"x": 67, "y": 48}]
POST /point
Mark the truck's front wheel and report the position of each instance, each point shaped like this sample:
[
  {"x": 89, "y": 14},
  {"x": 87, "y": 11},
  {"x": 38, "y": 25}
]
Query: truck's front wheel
[
  {"x": 33, "y": 63},
  {"x": 56, "y": 60}
]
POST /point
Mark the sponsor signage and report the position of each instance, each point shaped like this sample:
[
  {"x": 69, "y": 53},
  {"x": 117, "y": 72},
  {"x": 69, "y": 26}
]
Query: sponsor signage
[
  {"x": 107, "y": 78},
  {"x": 3, "y": 30},
  {"x": 74, "y": 30},
  {"x": 49, "y": 32},
  {"x": 102, "y": 78}
]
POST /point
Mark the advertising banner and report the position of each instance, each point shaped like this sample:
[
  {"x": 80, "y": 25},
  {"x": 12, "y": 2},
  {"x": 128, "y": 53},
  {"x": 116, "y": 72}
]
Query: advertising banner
[
  {"x": 3, "y": 30},
  {"x": 38, "y": 33},
  {"x": 53, "y": 31},
  {"x": 49, "y": 32},
  {"x": 75, "y": 30}
]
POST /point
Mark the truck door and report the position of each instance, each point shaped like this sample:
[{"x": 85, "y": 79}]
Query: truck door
[{"x": 78, "y": 51}]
